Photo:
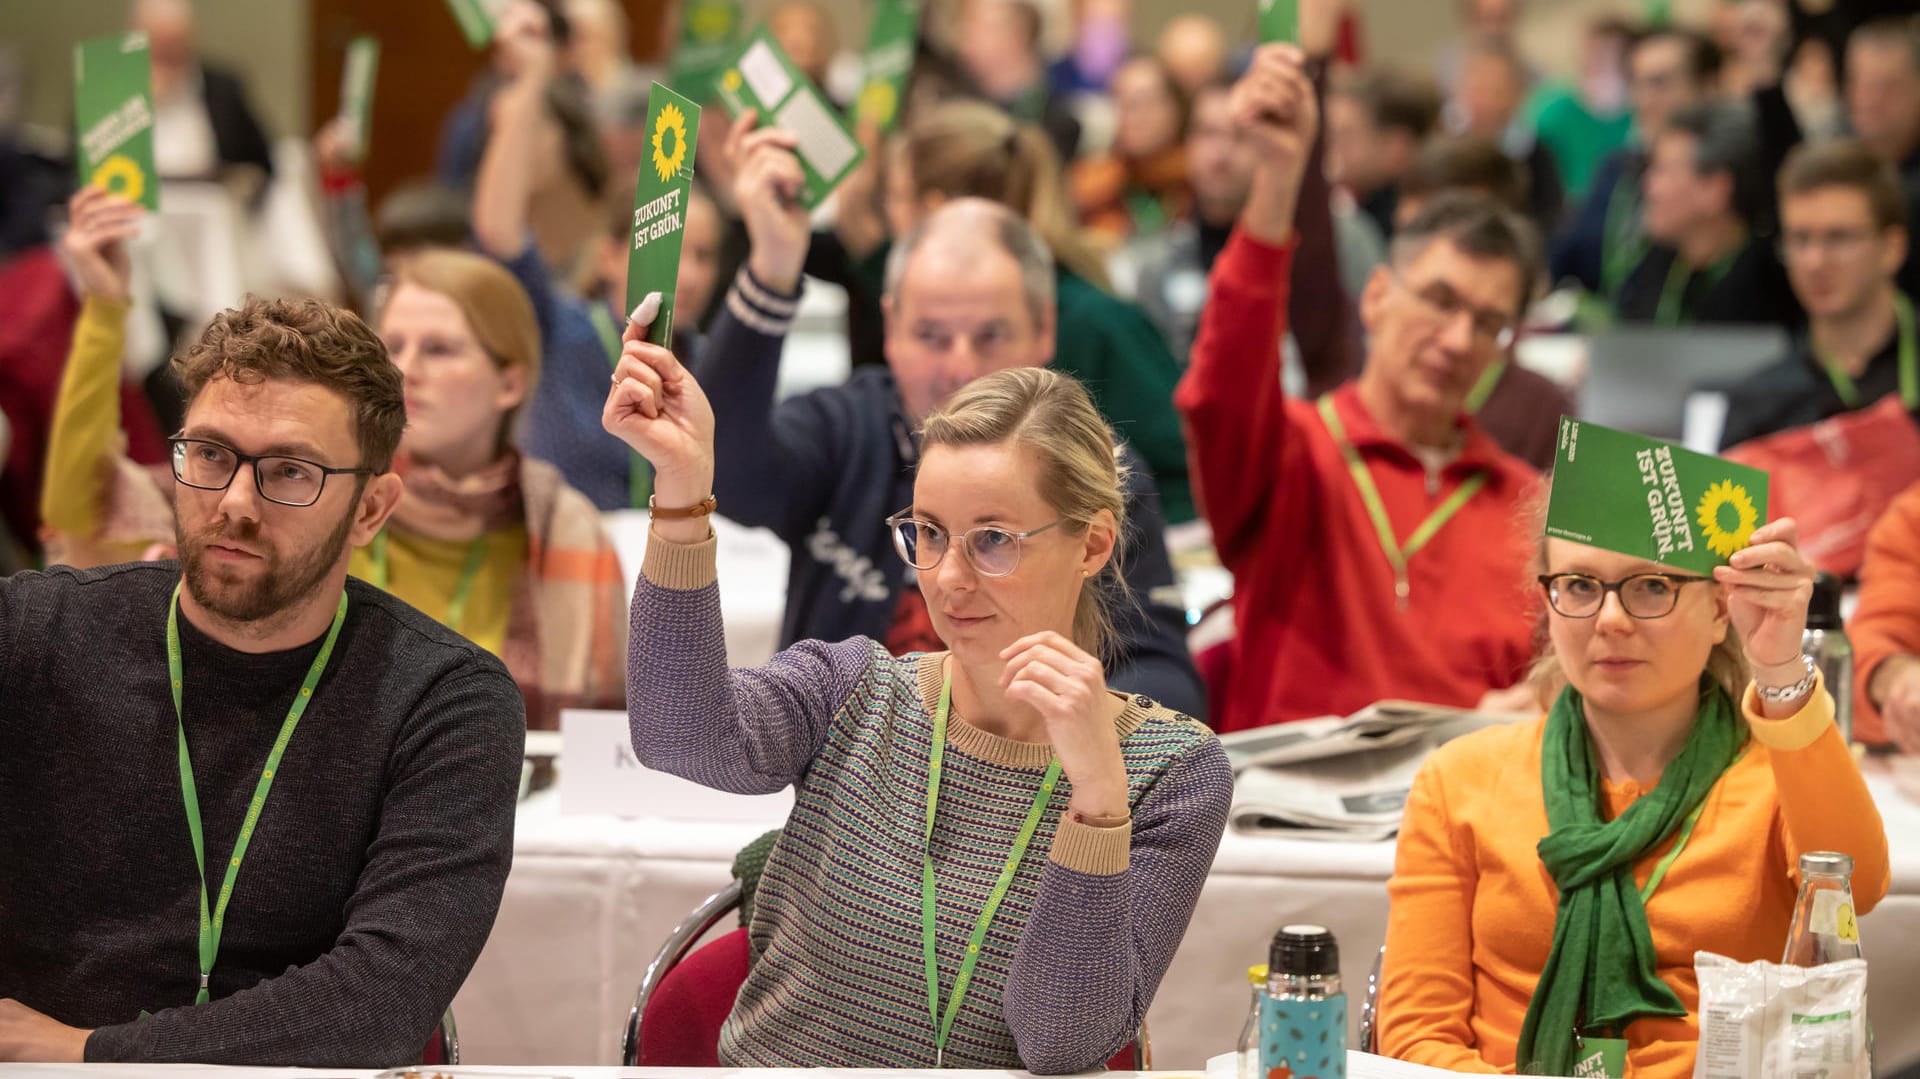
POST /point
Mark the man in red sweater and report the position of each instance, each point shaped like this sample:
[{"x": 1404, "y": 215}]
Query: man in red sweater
[{"x": 1374, "y": 535}]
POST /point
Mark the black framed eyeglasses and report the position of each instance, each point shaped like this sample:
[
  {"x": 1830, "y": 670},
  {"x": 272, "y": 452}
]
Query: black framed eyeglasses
[
  {"x": 288, "y": 481},
  {"x": 992, "y": 550},
  {"x": 1643, "y": 595}
]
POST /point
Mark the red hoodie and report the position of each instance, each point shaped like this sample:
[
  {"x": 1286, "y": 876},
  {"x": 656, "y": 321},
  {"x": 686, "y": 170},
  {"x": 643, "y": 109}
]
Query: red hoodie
[{"x": 1318, "y": 630}]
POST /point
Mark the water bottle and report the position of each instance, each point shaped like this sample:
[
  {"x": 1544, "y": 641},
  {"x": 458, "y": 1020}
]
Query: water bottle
[
  {"x": 1825, "y": 642},
  {"x": 1824, "y": 927},
  {"x": 1249, "y": 1060},
  {"x": 1303, "y": 1015}
]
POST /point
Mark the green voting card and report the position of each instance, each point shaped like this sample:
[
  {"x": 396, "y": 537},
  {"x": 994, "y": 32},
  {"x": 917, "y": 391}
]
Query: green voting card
[
  {"x": 113, "y": 116},
  {"x": 356, "y": 92},
  {"x": 1279, "y": 21},
  {"x": 764, "y": 79},
  {"x": 660, "y": 206},
  {"x": 477, "y": 19},
  {"x": 889, "y": 63},
  {"x": 1649, "y": 499},
  {"x": 709, "y": 34}
]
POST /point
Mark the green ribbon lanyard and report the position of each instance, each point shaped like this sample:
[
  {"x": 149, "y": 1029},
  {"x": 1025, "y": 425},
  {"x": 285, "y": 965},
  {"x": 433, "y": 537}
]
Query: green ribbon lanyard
[
  {"x": 463, "y": 591},
  {"x": 210, "y": 927},
  {"x": 1621, "y": 248},
  {"x": 1483, "y": 389},
  {"x": 1673, "y": 294},
  {"x": 639, "y": 479},
  {"x": 944, "y": 1026},
  {"x": 1396, "y": 552},
  {"x": 1909, "y": 377}
]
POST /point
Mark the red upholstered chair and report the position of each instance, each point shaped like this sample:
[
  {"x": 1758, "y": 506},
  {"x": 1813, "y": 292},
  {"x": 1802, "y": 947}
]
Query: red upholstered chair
[
  {"x": 444, "y": 1046},
  {"x": 688, "y": 992}
]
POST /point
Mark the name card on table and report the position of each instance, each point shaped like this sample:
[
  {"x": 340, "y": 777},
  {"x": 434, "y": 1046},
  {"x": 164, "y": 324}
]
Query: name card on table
[{"x": 600, "y": 776}]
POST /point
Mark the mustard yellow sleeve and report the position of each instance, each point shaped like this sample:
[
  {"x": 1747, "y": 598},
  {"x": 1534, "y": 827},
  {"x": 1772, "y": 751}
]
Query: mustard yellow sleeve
[
  {"x": 1823, "y": 796},
  {"x": 86, "y": 442}
]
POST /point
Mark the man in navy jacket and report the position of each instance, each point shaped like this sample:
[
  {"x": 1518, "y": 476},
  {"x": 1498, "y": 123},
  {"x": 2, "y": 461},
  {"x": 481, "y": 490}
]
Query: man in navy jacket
[{"x": 969, "y": 292}]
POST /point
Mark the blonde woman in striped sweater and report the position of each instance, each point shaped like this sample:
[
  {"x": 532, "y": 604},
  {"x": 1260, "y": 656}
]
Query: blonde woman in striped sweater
[{"x": 991, "y": 857}]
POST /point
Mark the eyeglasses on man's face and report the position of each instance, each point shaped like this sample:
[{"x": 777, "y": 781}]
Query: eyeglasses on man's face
[
  {"x": 1441, "y": 303},
  {"x": 1643, "y": 595},
  {"x": 287, "y": 481},
  {"x": 993, "y": 551}
]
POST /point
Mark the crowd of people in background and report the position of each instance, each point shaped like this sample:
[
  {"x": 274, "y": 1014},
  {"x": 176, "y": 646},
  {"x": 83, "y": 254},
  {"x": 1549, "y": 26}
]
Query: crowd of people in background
[{"x": 1289, "y": 286}]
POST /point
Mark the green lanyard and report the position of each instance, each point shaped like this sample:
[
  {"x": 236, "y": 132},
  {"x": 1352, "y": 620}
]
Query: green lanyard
[
  {"x": 1483, "y": 389},
  {"x": 639, "y": 480},
  {"x": 1622, "y": 246},
  {"x": 1673, "y": 294},
  {"x": 210, "y": 927},
  {"x": 463, "y": 591},
  {"x": 944, "y": 1027},
  {"x": 1909, "y": 378},
  {"x": 1396, "y": 552}
]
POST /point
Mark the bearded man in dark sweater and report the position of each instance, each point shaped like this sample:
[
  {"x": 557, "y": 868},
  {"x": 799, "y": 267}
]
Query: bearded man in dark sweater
[{"x": 251, "y": 811}]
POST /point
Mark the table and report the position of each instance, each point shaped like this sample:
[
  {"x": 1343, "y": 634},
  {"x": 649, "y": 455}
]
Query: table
[
  {"x": 591, "y": 898},
  {"x": 1359, "y": 1066}
]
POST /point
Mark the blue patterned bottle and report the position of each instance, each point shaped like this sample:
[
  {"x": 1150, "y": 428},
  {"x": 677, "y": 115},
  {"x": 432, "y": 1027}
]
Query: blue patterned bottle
[{"x": 1303, "y": 1030}]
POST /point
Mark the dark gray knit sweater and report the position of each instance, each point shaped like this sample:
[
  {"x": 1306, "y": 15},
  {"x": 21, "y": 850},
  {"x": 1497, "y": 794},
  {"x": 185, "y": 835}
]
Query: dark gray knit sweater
[{"x": 374, "y": 873}]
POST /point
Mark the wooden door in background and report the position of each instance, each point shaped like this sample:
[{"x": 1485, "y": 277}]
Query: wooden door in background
[{"x": 426, "y": 68}]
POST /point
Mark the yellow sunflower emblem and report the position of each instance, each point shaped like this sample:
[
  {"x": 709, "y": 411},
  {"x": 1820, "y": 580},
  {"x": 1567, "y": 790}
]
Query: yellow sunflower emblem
[
  {"x": 731, "y": 80},
  {"x": 877, "y": 103},
  {"x": 669, "y": 142},
  {"x": 121, "y": 176},
  {"x": 1726, "y": 536}
]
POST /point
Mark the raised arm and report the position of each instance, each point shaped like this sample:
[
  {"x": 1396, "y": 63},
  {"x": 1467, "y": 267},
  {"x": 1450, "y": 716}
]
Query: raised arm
[
  {"x": 503, "y": 189},
  {"x": 86, "y": 469},
  {"x": 1113, "y": 905},
  {"x": 1230, "y": 397}
]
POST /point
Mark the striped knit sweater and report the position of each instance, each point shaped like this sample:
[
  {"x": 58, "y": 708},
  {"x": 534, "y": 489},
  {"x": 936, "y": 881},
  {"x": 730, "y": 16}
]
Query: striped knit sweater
[{"x": 1086, "y": 932}]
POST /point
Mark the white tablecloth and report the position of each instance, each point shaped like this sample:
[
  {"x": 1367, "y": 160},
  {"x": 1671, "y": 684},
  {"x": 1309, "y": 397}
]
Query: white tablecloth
[
  {"x": 1359, "y": 1066},
  {"x": 591, "y": 898}
]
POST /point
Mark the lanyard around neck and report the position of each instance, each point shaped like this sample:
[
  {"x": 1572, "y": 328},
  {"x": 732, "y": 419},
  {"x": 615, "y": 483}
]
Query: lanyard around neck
[
  {"x": 1843, "y": 383},
  {"x": 462, "y": 590},
  {"x": 1483, "y": 389},
  {"x": 943, "y": 1026},
  {"x": 639, "y": 480},
  {"x": 1673, "y": 294},
  {"x": 212, "y": 925},
  {"x": 1622, "y": 246},
  {"x": 1397, "y": 553}
]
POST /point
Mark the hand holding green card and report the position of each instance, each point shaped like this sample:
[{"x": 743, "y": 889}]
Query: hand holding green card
[
  {"x": 763, "y": 78},
  {"x": 1649, "y": 499},
  {"x": 356, "y": 92},
  {"x": 113, "y": 117},
  {"x": 889, "y": 63},
  {"x": 660, "y": 206}
]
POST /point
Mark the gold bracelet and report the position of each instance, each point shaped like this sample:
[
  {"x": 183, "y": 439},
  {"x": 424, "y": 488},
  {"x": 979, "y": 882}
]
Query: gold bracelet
[{"x": 683, "y": 513}]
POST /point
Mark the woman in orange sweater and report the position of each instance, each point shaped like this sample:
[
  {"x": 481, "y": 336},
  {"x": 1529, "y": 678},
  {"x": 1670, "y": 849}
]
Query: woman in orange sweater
[{"x": 1554, "y": 878}]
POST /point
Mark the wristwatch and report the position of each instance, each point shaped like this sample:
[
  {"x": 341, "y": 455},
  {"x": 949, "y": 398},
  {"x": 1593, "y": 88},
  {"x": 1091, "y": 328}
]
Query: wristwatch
[
  {"x": 1789, "y": 694},
  {"x": 682, "y": 513}
]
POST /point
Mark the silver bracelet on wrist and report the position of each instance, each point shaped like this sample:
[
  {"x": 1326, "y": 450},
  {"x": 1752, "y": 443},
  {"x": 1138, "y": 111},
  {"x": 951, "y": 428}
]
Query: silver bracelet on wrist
[{"x": 1788, "y": 694}]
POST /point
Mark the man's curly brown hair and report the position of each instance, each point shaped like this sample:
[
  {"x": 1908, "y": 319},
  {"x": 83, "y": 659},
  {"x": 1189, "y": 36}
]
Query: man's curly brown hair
[{"x": 300, "y": 340}]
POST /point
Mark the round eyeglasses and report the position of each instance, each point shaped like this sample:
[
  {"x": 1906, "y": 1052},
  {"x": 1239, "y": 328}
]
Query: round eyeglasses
[
  {"x": 1643, "y": 595},
  {"x": 288, "y": 481},
  {"x": 992, "y": 550}
]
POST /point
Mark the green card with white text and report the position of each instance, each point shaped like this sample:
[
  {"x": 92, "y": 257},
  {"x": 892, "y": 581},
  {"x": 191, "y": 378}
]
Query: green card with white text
[
  {"x": 477, "y": 19},
  {"x": 709, "y": 34},
  {"x": 1645, "y": 498},
  {"x": 763, "y": 78},
  {"x": 113, "y": 116},
  {"x": 1279, "y": 21},
  {"x": 660, "y": 206},
  {"x": 889, "y": 62},
  {"x": 356, "y": 91}
]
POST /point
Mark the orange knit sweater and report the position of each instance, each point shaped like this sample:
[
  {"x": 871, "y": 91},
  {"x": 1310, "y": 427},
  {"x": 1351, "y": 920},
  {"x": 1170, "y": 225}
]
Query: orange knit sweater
[{"x": 1473, "y": 908}]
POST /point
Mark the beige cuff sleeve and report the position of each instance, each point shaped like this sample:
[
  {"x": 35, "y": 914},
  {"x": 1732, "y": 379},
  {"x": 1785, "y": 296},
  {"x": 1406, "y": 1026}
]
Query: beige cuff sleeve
[
  {"x": 1085, "y": 848},
  {"x": 1797, "y": 731},
  {"x": 683, "y": 567}
]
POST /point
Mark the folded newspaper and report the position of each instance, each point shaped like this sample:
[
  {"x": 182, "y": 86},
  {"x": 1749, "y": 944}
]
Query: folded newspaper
[{"x": 1340, "y": 779}]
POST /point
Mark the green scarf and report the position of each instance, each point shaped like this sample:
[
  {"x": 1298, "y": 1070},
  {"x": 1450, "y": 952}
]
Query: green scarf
[{"x": 1600, "y": 974}]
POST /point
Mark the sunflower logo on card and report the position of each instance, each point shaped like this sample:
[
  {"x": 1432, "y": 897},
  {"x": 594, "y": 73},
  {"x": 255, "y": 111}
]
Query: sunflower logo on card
[
  {"x": 1727, "y": 517},
  {"x": 877, "y": 103},
  {"x": 120, "y": 175},
  {"x": 669, "y": 142}
]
